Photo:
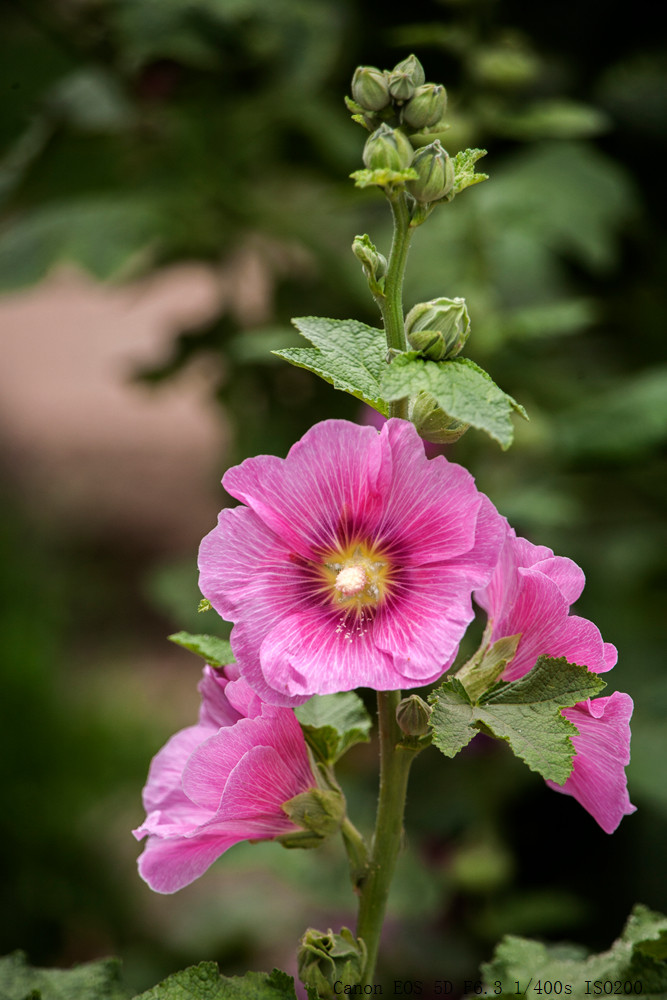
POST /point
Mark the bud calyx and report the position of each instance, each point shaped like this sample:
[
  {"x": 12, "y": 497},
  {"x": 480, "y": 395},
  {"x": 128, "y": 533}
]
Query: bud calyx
[
  {"x": 412, "y": 716},
  {"x": 370, "y": 88},
  {"x": 435, "y": 173},
  {"x": 438, "y": 329},
  {"x": 426, "y": 106},
  {"x": 329, "y": 962},
  {"x": 387, "y": 149},
  {"x": 319, "y": 812}
]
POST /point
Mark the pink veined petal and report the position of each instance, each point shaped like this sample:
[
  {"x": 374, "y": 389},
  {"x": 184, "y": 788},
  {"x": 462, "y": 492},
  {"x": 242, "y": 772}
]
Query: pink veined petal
[
  {"x": 163, "y": 791},
  {"x": 257, "y": 788},
  {"x": 425, "y": 624},
  {"x": 568, "y": 577},
  {"x": 598, "y": 779},
  {"x": 435, "y": 518},
  {"x": 336, "y": 467},
  {"x": 216, "y": 710},
  {"x": 343, "y": 484},
  {"x": 500, "y": 592},
  {"x": 210, "y": 764},
  {"x": 169, "y": 865},
  {"x": 250, "y": 577},
  {"x": 540, "y": 613},
  {"x": 316, "y": 649}
]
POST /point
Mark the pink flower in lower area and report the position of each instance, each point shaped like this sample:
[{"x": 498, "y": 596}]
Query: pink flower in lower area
[
  {"x": 352, "y": 563},
  {"x": 530, "y": 593},
  {"x": 221, "y": 781}
]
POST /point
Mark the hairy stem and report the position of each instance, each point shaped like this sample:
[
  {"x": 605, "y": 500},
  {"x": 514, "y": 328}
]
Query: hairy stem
[
  {"x": 391, "y": 303},
  {"x": 395, "y": 763}
]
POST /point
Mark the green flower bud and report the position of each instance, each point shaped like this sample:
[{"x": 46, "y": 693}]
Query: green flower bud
[
  {"x": 387, "y": 149},
  {"x": 436, "y": 173},
  {"x": 370, "y": 88},
  {"x": 318, "y": 811},
  {"x": 438, "y": 329},
  {"x": 432, "y": 423},
  {"x": 405, "y": 77},
  {"x": 373, "y": 262},
  {"x": 426, "y": 107},
  {"x": 325, "y": 960},
  {"x": 412, "y": 716}
]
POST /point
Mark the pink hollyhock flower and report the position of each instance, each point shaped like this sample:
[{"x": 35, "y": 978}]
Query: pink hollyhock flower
[
  {"x": 530, "y": 593},
  {"x": 352, "y": 564},
  {"x": 221, "y": 781}
]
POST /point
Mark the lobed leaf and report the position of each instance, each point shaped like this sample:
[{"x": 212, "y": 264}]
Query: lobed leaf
[
  {"x": 332, "y": 723},
  {"x": 525, "y": 713},
  {"x": 92, "y": 981},
  {"x": 204, "y": 982},
  {"x": 346, "y": 353},
  {"x": 464, "y": 171},
  {"x": 637, "y": 957},
  {"x": 461, "y": 388}
]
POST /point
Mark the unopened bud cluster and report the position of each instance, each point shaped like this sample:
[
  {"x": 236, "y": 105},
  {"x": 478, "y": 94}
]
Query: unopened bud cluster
[
  {"x": 399, "y": 96},
  {"x": 404, "y": 112}
]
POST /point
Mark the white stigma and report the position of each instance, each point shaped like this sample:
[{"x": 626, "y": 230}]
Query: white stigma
[{"x": 351, "y": 580}]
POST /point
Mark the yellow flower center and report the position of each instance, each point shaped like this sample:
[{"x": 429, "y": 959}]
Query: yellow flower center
[{"x": 356, "y": 577}]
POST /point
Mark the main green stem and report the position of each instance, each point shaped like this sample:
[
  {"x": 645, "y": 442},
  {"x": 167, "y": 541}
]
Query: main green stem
[
  {"x": 395, "y": 759},
  {"x": 395, "y": 763}
]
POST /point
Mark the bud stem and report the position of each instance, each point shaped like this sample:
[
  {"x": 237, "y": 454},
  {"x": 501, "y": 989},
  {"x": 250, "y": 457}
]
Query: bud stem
[
  {"x": 391, "y": 304},
  {"x": 395, "y": 761}
]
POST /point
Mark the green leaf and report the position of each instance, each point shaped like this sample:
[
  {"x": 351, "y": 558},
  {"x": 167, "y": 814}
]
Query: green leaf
[
  {"x": 484, "y": 669},
  {"x": 382, "y": 177},
  {"x": 464, "y": 171},
  {"x": 204, "y": 982},
  {"x": 346, "y": 353},
  {"x": 525, "y": 713},
  {"x": 332, "y": 723},
  {"x": 216, "y": 651},
  {"x": 92, "y": 981},
  {"x": 461, "y": 388},
  {"x": 638, "y": 956}
]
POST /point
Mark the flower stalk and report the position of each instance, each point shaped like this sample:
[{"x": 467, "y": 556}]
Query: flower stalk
[
  {"x": 395, "y": 761},
  {"x": 391, "y": 303}
]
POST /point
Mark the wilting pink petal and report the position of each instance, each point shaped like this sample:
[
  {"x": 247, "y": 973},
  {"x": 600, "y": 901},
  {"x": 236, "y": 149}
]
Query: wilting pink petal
[
  {"x": 603, "y": 750},
  {"x": 221, "y": 781},
  {"x": 352, "y": 563},
  {"x": 530, "y": 594}
]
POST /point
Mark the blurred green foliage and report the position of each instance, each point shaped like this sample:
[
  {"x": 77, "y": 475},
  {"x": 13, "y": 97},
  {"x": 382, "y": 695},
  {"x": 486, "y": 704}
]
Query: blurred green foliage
[{"x": 142, "y": 132}]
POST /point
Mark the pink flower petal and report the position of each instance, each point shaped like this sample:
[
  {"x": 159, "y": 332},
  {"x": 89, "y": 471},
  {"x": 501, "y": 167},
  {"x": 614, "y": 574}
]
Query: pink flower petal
[
  {"x": 163, "y": 793},
  {"x": 169, "y": 865},
  {"x": 210, "y": 787},
  {"x": 255, "y": 792},
  {"x": 598, "y": 779},
  {"x": 340, "y": 487},
  {"x": 288, "y": 494}
]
